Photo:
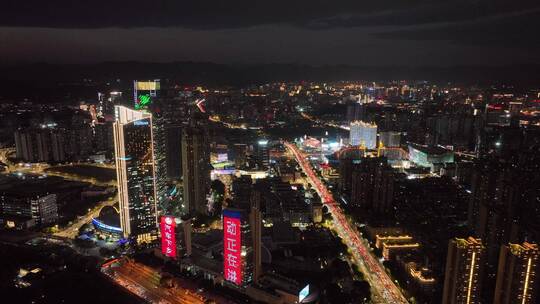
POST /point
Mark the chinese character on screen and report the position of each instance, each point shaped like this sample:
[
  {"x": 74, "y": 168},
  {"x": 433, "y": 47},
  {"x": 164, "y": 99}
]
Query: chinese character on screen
[
  {"x": 231, "y": 275},
  {"x": 231, "y": 228}
]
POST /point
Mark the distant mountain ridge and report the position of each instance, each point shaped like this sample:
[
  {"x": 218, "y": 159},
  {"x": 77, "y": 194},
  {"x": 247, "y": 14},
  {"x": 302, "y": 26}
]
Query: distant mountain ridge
[
  {"x": 44, "y": 82},
  {"x": 213, "y": 73}
]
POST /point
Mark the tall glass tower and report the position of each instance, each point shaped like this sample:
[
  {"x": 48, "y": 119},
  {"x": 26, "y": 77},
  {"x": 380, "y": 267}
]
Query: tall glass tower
[
  {"x": 135, "y": 171},
  {"x": 148, "y": 98}
]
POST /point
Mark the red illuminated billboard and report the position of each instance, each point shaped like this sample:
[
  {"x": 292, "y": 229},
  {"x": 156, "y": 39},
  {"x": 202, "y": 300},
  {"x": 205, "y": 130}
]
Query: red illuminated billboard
[
  {"x": 168, "y": 238},
  {"x": 232, "y": 247}
]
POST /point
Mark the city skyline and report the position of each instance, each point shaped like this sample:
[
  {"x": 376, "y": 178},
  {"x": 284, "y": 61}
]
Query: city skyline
[
  {"x": 328, "y": 192},
  {"x": 276, "y": 152}
]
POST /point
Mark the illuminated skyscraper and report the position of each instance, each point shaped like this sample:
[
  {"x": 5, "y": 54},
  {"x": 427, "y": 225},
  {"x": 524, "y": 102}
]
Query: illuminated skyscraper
[
  {"x": 363, "y": 134},
  {"x": 262, "y": 153},
  {"x": 516, "y": 277},
  {"x": 147, "y": 97},
  {"x": 464, "y": 265},
  {"x": 135, "y": 172},
  {"x": 195, "y": 169}
]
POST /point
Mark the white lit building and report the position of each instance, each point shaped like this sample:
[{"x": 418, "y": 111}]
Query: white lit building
[
  {"x": 363, "y": 134},
  {"x": 135, "y": 171}
]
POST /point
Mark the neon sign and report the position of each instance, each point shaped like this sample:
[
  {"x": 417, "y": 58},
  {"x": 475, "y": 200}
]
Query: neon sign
[
  {"x": 104, "y": 226},
  {"x": 200, "y": 104},
  {"x": 143, "y": 100},
  {"x": 232, "y": 247},
  {"x": 168, "y": 238},
  {"x": 141, "y": 123},
  {"x": 303, "y": 293},
  {"x": 147, "y": 85}
]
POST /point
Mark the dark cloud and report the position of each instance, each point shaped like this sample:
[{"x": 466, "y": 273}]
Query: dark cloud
[
  {"x": 218, "y": 14},
  {"x": 383, "y": 32},
  {"x": 433, "y": 12},
  {"x": 208, "y": 14},
  {"x": 511, "y": 30}
]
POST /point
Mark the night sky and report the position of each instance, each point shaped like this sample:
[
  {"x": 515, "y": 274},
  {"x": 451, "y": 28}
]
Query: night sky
[{"x": 318, "y": 32}]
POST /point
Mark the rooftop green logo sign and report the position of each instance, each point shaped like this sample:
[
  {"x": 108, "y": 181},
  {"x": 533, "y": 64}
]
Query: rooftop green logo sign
[{"x": 144, "y": 100}]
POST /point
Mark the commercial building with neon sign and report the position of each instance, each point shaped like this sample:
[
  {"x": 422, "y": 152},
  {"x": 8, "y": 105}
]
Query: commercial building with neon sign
[
  {"x": 168, "y": 236},
  {"x": 237, "y": 248}
]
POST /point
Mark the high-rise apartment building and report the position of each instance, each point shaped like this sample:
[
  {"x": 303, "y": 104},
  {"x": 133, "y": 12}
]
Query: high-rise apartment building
[
  {"x": 463, "y": 275},
  {"x": 40, "y": 145},
  {"x": 494, "y": 209},
  {"x": 135, "y": 171},
  {"x": 103, "y": 137},
  {"x": 390, "y": 139},
  {"x": 516, "y": 275},
  {"x": 242, "y": 190},
  {"x": 263, "y": 155},
  {"x": 172, "y": 112},
  {"x": 372, "y": 185},
  {"x": 346, "y": 167},
  {"x": 41, "y": 207},
  {"x": 195, "y": 169},
  {"x": 239, "y": 154},
  {"x": 106, "y": 104},
  {"x": 356, "y": 111},
  {"x": 255, "y": 218},
  {"x": 173, "y": 144},
  {"x": 363, "y": 134}
]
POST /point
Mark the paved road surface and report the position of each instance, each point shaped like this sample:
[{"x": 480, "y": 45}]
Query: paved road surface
[
  {"x": 380, "y": 281},
  {"x": 144, "y": 281}
]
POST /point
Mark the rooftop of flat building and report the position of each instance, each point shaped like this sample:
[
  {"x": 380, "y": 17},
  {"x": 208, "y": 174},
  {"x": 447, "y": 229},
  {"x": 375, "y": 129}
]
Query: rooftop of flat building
[
  {"x": 363, "y": 124},
  {"x": 437, "y": 150}
]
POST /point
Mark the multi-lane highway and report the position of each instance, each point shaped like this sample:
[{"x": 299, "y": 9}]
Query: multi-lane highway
[
  {"x": 380, "y": 281},
  {"x": 145, "y": 283}
]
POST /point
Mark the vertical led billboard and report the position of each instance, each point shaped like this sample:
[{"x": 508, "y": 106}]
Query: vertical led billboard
[
  {"x": 168, "y": 238},
  {"x": 232, "y": 246}
]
